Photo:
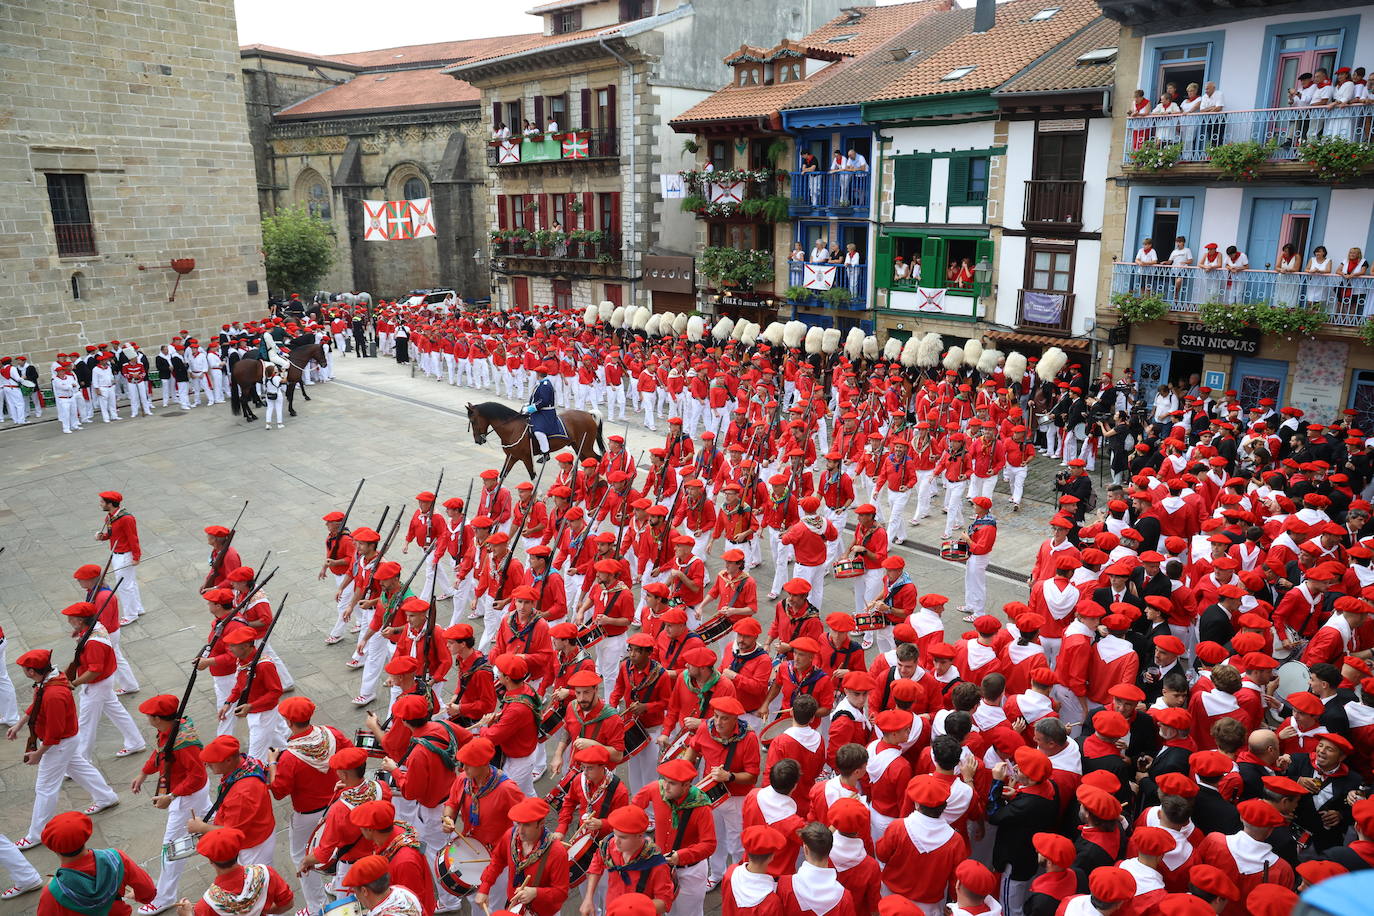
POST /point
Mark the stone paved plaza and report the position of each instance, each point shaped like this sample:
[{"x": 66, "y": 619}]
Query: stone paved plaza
[{"x": 180, "y": 471}]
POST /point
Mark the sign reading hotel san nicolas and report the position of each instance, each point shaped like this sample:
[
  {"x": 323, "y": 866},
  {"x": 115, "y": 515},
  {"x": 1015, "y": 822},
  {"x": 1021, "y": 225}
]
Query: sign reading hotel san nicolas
[{"x": 1199, "y": 338}]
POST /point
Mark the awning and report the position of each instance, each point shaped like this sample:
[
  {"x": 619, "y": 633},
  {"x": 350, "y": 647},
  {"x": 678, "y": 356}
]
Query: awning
[{"x": 1040, "y": 340}]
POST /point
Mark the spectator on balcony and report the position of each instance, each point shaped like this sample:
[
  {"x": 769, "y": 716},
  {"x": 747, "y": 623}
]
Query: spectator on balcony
[
  {"x": 798, "y": 252},
  {"x": 1166, "y": 133},
  {"x": 1214, "y": 122},
  {"x": 531, "y": 129},
  {"x": 1181, "y": 259},
  {"x": 811, "y": 169},
  {"x": 1212, "y": 278},
  {"x": 502, "y": 132},
  {"x": 1236, "y": 263},
  {"x": 835, "y": 257},
  {"x": 1344, "y": 96},
  {"x": 820, "y": 253},
  {"x": 963, "y": 278},
  {"x": 839, "y": 181},
  {"x": 854, "y": 162},
  {"x": 709, "y": 166},
  {"x": 1319, "y": 280},
  {"x": 1140, "y": 106},
  {"x": 551, "y": 127},
  {"x": 1147, "y": 257},
  {"x": 1192, "y": 105},
  {"x": 900, "y": 271},
  {"x": 1302, "y": 96},
  {"x": 1351, "y": 296},
  {"x": 1288, "y": 285},
  {"x": 853, "y": 269}
]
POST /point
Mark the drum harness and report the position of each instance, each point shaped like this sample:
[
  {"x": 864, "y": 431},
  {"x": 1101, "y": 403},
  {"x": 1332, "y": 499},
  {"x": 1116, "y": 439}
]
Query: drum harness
[{"x": 465, "y": 677}]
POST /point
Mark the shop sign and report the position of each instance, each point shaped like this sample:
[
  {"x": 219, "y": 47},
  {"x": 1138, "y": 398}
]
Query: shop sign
[{"x": 1199, "y": 338}]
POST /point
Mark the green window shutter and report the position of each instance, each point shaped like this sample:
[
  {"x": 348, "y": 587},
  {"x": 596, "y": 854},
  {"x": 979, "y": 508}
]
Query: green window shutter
[
  {"x": 882, "y": 267},
  {"x": 933, "y": 262},
  {"x": 958, "y": 181},
  {"x": 983, "y": 251},
  {"x": 911, "y": 182}
]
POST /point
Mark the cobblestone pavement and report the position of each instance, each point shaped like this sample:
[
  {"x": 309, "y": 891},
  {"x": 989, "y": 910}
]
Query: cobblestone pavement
[{"x": 180, "y": 471}]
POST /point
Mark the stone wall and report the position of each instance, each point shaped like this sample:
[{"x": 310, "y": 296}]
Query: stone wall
[{"x": 145, "y": 101}]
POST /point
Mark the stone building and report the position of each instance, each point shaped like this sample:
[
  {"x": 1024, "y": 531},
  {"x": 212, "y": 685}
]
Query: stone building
[
  {"x": 124, "y": 147},
  {"x": 330, "y": 131},
  {"x": 578, "y": 210}
]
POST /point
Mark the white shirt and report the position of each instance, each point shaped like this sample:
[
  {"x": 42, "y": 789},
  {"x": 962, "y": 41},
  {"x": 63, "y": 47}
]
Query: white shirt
[
  {"x": 1322, "y": 95},
  {"x": 1149, "y": 257},
  {"x": 1345, "y": 92},
  {"x": 1171, "y": 108},
  {"x": 1211, "y": 102},
  {"x": 1238, "y": 260},
  {"x": 856, "y": 163},
  {"x": 1303, "y": 95},
  {"x": 851, "y": 259},
  {"x": 1190, "y": 106},
  {"x": 553, "y": 126},
  {"x": 1181, "y": 257},
  {"x": 819, "y": 255}
]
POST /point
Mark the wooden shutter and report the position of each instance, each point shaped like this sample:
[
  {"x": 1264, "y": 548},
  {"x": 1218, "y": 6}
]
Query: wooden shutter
[
  {"x": 588, "y": 210},
  {"x": 958, "y": 181},
  {"x": 612, "y": 116},
  {"x": 495, "y": 114},
  {"x": 586, "y": 121},
  {"x": 911, "y": 182},
  {"x": 502, "y": 203},
  {"x": 544, "y": 211},
  {"x": 519, "y": 120},
  {"x": 933, "y": 262},
  {"x": 882, "y": 264},
  {"x": 539, "y": 112},
  {"x": 615, "y": 212}
]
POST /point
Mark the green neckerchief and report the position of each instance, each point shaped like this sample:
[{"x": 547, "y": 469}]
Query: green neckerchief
[
  {"x": 90, "y": 894},
  {"x": 695, "y": 798},
  {"x": 702, "y": 692}
]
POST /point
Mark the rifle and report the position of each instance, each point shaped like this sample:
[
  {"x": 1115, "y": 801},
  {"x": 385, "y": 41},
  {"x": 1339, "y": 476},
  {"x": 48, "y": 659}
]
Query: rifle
[
  {"x": 428, "y": 644},
  {"x": 381, "y": 552},
  {"x": 218, "y": 559},
  {"x": 95, "y": 589},
  {"x": 90, "y": 628},
  {"x": 257, "y": 653},
  {"x": 343, "y": 526},
  {"x": 391, "y": 611},
  {"x": 668, "y": 527},
  {"x": 520, "y": 529}
]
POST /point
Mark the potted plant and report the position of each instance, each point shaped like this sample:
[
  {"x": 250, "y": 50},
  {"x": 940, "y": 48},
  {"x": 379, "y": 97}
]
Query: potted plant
[
  {"x": 575, "y": 203},
  {"x": 691, "y": 147},
  {"x": 1224, "y": 318},
  {"x": 795, "y": 294},
  {"x": 1299, "y": 321},
  {"x": 1367, "y": 332},
  {"x": 1138, "y": 307},
  {"x": 1336, "y": 158},
  {"x": 838, "y": 297},
  {"x": 1154, "y": 156},
  {"x": 1240, "y": 161},
  {"x": 726, "y": 266}
]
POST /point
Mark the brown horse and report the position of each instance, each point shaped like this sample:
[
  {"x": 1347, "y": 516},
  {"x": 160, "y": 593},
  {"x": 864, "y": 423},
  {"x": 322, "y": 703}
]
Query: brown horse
[
  {"x": 247, "y": 373},
  {"x": 513, "y": 429}
]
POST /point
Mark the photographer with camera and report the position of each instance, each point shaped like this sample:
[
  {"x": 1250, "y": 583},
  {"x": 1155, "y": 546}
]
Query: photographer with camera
[{"x": 1075, "y": 482}]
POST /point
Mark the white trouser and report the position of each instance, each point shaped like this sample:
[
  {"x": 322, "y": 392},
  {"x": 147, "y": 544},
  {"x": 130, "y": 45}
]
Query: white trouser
[
  {"x": 462, "y": 600},
  {"x": 224, "y": 685},
  {"x": 178, "y": 813},
  {"x": 14, "y": 403},
  {"x": 649, "y": 400},
  {"x": 925, "y": 489},
  {"x": 1072, "y": 709},
  {"x": 123, "y": 678},
  {"x": 140, "y": 399},
  {"x": 954, "y": 504},
  {"x": 521, "y": 772},
  {"x": 878, "y": 824},
  {"x": 491, "y": 621},
  {"x": 9, "y": 707},
  {"x": 982, "y": 486},
  {"x": 729, "y": 818},
  {"x": 376, "y": 654},
  {"x": 182, "y": 391},
  {"x": 444, "y": 587},
  {"x": 976, "y": 582},
  {"x": 265, "y": 730},
  {"x": 60, "y": 761},
  {"x": 1016, "y": 480},
  {"x": 782, "y": 553},
  {"x": 287, "y": 681},
  {"x": 312, "y": 883},
  {"x": 615, "y": 398},
  {"x": 1014, "y": 893},
  {"x": 691, "y": 890},
  {"x": 260, "y": 854},
  {"x": 84, "y": 409},
  {"x": 838, "y": 518},
  {"x": 275, "y": 409},
  {"x": 22, "y": 874},
  {"x": 168, "y": 388},
  {"x": 1068, "y": 447},
  {"x": 201, "y": 384},
  {"x": 896, "y": 515},
  {"x": 105, "y": 400},
  {"x": 866, "y": 588},
  {"x": 66, "y": 413},
  {"x": 752, "y": 552},
  {"x": 643, "y": 767},
  {"x": 341, "y": 606},
  {"x": 609, "y": 654},
  {"x": 123, "y": 571},
  {"x": 429, "y": 826},
  {"x": 1051, "y": 646},
  {"x": 816, "y": 576},
  {"x": 99, "y": 699}
]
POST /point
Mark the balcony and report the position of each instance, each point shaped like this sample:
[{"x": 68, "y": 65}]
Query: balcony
[
  {"x": 602, "y": 143},
  {"x": 1054, "y": 205},
  {"x": 739, "y": 194},
  {"x": 1289, "y": 129},
  {"x": 829, "y": 194},
  {"x": 821, "y": 279},
  {"x": 1346, "y": 303},
  {"x": 1038, "y": 315},
  {"x": 578, "y": 245},
  {"x": 75, "y": 240}
]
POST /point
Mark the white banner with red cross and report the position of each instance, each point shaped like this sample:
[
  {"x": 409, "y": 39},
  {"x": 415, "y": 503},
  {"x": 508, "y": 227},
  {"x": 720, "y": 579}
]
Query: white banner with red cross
[
  {"x": 729, "y": 192},
  {"x": 396, "y": 220},
  {"x": 508, "y": 151},
  {"x": 818, "y": 276}
]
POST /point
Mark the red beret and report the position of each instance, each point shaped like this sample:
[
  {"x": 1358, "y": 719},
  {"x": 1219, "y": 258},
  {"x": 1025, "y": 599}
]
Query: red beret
[
  {"x": 678, "y": 770},
  {"x": 1271, "y": 900},
  {"x": 849, "y": 816},
  {"x": 1111, "y": 884},
  {"x": 628, "y": 819},
  {"x": 762, "y": 840},
  {"x": 67, "y": 832},
  {"x": 366, "y": 870},
  {"x": 410, "y": 706},
  {"x": 348, "y": 758},
  {"x": 164, "y": 706},
  {"x": 221, "y": 845},
  {"x": 220, "y": 749},
  {"x": 1056, "y": 848},
  {"x": 1259, "y": 813},
  {"x": 374, "y": 815},
  {"x": 927, "y": 790},
  {"x": 976, "y": 878},
  {"x": 1176, "y": 784}
]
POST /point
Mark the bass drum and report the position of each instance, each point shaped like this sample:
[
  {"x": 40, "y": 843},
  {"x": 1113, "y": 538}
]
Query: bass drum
[
  {"x": 460, "y": 864},
  {"x": 636, "y": 739},
  {"x": 580, "y": 854},
  {"x": 1292, "y": 678},
  {"x": 780, "y": 724}
]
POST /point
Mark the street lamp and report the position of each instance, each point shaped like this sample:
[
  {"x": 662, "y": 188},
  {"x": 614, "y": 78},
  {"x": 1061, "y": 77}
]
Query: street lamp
[{"x": 982, "y": 275}]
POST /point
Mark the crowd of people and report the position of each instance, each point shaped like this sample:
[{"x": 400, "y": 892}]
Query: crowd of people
[{"x": 573, "y": 692}]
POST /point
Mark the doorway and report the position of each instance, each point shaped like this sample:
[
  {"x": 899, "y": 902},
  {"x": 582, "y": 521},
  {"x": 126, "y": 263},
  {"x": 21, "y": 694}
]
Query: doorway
[
  {"x": 1302, "y": 54},
  {"x": 1183, "y": 367},
  {"x": 1259, "y": 378}
]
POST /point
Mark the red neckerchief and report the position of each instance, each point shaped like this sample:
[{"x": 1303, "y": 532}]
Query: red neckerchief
[
  {"x": 1246, "y": 757},
  {"x": 1102, "y": 838},
  {"x": 1095, "y": 746},
  {"x": 1185, "y": 742},
  {"x": 1043, "y": 789},
  {"x": 1058, "y": 884}
]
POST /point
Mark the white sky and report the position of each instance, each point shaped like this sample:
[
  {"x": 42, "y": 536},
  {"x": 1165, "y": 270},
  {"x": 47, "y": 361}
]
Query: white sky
[{"x": 338, "y": 26}]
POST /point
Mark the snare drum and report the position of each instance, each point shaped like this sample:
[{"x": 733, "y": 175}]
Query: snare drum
[
  {"x": 364, "y": 739},
  {"x": 181, "y": 848},
  {"x": 1292, "y": 678},
  {"x": 589, "y": 637},
  {"x": 715, "y": 628},
  {"x": 717, "y": 792},
  {"x": 849, "y": 568},
  {"x": 865, "y": 622},
  {"x": 581, "y": 851},
  {"x": 636, "y": 739},
  {"x": 552, "y": 720},
  {"x": 344, "y": 906},
  {"x": 677, "y": 747},
  {"x": 460, "y": 864},
  {"x": 954, "y": 549},
  {"x": 779, "y": 725}
]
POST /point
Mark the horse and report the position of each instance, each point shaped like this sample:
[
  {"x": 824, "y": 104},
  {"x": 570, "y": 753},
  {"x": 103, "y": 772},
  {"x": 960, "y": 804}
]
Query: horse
[
  {"x": 513, "y": 429},
  {"x": 247, "y": 374}
]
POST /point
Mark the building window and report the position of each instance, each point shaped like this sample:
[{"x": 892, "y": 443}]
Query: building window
[
  {"x": 78, "y": 284},
  {"x": 631, "y": 10},
  {"x": 968, "y": 180},
  {"x": 71, "y": 215},
  {"x": 562, "y": 294},
  {"x": 1051, "y": 270},
  {"x": 1179, "y": 66},
  {"x": 567, "y": 21},
  {"x": 720, "y": 156},
  {"x": 414, "y": 189},
  {"x": 318, "y": 201},
  {"x": 557, "y": 106}
]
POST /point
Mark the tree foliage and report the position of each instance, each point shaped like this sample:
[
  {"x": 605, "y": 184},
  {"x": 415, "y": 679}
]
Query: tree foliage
[{"x": 298, "y": 250}]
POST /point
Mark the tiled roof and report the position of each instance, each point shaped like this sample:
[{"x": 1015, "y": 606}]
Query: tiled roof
[
  {"x": 859, "y": 79},
  {"x": 557, "y": 5},
  {"x": 873, "y": 25},
  {"x": 439, "y": 52},
  {"x": 522, "y": 44},
  {"x": 386, "y": 91},
  {"x": 742, "y": 102},
  {"x": 1015, "y": 41},
  {"x": 272, "y": 51},
  {"x": 1060, "y": 69}
]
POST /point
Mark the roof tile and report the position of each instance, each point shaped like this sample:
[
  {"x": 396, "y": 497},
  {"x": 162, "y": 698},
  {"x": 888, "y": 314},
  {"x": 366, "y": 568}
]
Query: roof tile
[
  {"x": 1060, "y": 69},
  {"x": 372, "y": 91}
]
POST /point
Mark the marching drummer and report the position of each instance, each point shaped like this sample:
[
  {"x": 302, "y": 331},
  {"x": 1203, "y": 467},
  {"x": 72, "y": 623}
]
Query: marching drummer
[
  {"x": 589, "y": 722},
  {"x": 840, "y": 654},
  {"x": 593, "y": 794},
  {"x": 482, "y": 795},
  {"x": 896, "y": 599},
  {"x": 642, "y": 691},
  {"x": 801, "y": 675},
  {"x": 613, "y": 610},
  {"x": 530, "y": 861},
  {"x": 474, "y": 693},
  {"x": 632, "y": 863},
  {"x": 371, "y": 884},
  {"x": 748, "y": 667},
  {"x": 514, "y": 727},
  {"x": 730, "y": 757},
  {"x": 793, "y": 617},
  {"x": 692, "y": 694},
  {"x": 675, "y": 641},
  {"x": 683, "y": 825},
  {"x": 400, "y": 846},
  {"x": 870, "y": 548},
  {"x": 340, "y": 841},
  {"x": 735, "y": 591}
]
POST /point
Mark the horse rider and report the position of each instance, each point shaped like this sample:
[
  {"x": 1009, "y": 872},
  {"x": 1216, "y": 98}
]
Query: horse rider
[
  {"x": 272, "y": 347},
  {"x": 542, "y": 413}
]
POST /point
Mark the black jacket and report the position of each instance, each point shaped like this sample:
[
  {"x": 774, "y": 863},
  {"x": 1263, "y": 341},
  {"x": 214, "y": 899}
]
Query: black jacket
[
  {"x": 1330, "y": 798},
  {"x": 1214, "y": 814},
  {"x": 1017, "y": 822}
]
